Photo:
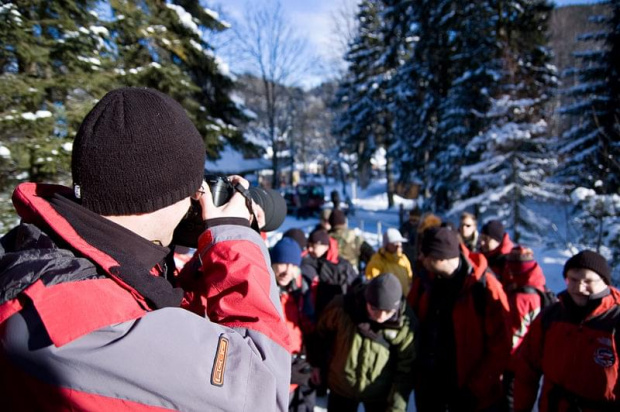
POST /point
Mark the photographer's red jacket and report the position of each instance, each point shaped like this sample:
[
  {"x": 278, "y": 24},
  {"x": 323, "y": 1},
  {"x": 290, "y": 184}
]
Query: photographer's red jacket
[{"x": 85, "y": 324}]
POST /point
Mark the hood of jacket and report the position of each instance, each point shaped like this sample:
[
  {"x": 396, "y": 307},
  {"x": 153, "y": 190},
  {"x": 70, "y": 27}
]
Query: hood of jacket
[{"x": 59, "y": 241}]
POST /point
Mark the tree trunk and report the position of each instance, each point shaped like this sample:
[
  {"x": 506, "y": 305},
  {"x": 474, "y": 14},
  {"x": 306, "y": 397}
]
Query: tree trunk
[{"x": 390, "y": 181}]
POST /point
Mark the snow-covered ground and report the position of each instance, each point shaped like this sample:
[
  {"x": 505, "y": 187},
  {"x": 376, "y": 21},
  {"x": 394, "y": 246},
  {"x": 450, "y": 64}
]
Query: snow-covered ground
[{"x": 372, "y": 217}]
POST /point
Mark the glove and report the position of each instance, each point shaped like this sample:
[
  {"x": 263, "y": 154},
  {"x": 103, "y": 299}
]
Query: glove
[{"x": 300, "y": 372}]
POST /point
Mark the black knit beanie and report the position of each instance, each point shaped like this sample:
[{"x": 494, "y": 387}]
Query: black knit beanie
[
  {"x": 440, "y": 243},
  {"x": 319, "y": 237},
  {"x": 136, "y": 152},
  {"x": 384, "y": 292},
  {"x": 588, "y": 259},
  {"x": 298, "y": 236},
  {"x": 493, "y": 229}
]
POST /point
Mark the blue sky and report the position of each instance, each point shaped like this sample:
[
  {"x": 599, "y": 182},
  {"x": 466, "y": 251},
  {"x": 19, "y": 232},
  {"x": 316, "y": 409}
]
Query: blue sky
[{"x": 313, "y": 19}]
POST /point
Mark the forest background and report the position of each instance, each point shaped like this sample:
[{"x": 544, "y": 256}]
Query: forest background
[{"x": 493, "y": 107}]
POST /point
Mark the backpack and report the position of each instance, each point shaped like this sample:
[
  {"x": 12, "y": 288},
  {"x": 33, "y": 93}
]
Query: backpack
[{"x": 547, "y": 297}]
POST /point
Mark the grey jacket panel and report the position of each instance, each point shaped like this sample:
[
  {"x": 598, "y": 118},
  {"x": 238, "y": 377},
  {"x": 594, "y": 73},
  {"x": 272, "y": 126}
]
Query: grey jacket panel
[{"x": 159, "y": 357}]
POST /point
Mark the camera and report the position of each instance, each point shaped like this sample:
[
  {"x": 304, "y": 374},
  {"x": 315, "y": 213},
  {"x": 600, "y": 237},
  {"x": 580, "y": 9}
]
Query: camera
[{"x": 192, "y": 225}]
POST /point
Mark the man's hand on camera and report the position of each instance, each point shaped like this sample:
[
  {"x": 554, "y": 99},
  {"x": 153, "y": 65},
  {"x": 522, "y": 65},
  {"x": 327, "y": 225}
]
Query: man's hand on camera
[
  {"x": 235, "y": 207},
  {"x": 259, "y": 214}
]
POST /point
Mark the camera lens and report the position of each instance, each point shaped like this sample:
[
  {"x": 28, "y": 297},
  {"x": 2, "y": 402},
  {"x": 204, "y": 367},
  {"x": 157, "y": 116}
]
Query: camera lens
[{"x": 273, "y": 204}]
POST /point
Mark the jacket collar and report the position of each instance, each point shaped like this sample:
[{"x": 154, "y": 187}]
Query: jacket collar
[{"x": 124, "y": 256}]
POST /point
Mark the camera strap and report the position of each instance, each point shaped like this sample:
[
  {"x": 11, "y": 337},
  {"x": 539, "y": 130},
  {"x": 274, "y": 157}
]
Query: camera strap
[{"x": 248, "y": 203}]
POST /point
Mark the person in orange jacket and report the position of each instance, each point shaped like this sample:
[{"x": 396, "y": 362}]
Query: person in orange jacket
[
  {"x": 573, "y": 344},
  {"x": 464, "y": 335}
]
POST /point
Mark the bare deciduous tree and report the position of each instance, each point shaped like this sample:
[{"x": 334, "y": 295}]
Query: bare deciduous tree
[{"x": 268, "y": 46}]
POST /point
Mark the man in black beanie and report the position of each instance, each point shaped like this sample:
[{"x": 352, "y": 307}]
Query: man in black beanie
[
  {"x": 573, "y": 344},
  {"x": 495, "y": 245},
  {"x": 368, "y": 348},
  {"x": 89, "y": 320},
  {"x": 324, "y": 267},
  {"x": 464, "y": 336}
]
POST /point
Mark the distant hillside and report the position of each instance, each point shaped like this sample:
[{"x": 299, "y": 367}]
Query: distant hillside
[{"x": 565, "y": 25}]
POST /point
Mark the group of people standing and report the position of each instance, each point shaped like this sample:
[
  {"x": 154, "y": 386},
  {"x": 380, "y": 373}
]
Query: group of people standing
[
  {"x": 468, "y": 323},
  {"x": 94, "y": 316}
]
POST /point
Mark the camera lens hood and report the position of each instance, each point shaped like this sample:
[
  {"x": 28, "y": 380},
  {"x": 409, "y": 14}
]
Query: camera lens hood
[{"x": 272, "y": 203}]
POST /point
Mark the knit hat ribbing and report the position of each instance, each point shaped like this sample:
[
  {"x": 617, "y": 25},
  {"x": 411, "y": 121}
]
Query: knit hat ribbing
[
  {"x": 318, "y": 237},
  {"x": 137, "y": 151},
  {"x": 588, "y": 259},
  {"x": 384, "y": 292},
  {"x": 493, "y": 229},
  {"x": 286, "y": 251},
  {"x": 440, "y": 243},
  {"x": 297, "y": 235}
]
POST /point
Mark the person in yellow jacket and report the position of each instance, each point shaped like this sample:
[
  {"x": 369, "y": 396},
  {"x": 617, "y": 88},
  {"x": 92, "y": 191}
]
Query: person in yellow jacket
[{"x": 390, "y": 258}]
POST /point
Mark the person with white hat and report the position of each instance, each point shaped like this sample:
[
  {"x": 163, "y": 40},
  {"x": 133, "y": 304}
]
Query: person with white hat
[{"x": 390, "y": 258}]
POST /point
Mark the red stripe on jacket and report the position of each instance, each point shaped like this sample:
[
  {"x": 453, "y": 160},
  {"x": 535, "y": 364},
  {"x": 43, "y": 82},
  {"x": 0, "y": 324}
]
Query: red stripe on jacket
[{"x": 234, "y": 288}]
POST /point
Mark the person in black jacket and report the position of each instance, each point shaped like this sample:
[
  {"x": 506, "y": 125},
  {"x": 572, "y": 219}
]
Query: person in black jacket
[{"x": 329, "y": 274}]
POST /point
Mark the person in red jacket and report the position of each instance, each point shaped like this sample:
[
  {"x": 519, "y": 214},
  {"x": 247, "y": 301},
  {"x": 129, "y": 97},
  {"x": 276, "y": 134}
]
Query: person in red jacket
[
  {"x": 523, "y": 278},
  {"x": 88, "y": 319},
  {"x": 464, "y": 338},
  {"x": 495, "y": 244},
  {"x": 522, "y": 274},
  {"x": 573, "y": 344},
  {"x": 285, "y": 262}
]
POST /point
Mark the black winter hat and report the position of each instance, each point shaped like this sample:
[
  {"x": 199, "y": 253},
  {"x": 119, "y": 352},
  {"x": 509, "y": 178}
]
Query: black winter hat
[
  {"x": 319, "y": 237},
  {"x": 298, "y": 236},
  {"x": 337, "y": 218},
  {"x": 494, "y": 229},
  {"x": 440, "y": 243},
  {"x": 136, "y": 152},
  {"x": 588, "y": 259},
  {"x": 384, "y": 292}
]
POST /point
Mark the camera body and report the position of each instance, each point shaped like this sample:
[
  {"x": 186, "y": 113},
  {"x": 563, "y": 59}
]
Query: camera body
[
  {"x": 192, "y": 225},
  {"x": 221, "y": 189}
]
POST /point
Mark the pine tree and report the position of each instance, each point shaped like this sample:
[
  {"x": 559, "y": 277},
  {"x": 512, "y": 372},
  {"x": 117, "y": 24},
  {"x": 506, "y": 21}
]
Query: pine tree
[
  {"x": 357, "y": 97},
  {"x": 515, "y": 156},
  {"x": 422, "y": 82},
  {"x": 474, "y": 70},
  {"x": 53, "y": 57},
  {"x": 60, "y": 57},
  {"x": 591, "y": 147},
  {"x": 162, "y": 45},
  {"x": 596, "y": 215}
]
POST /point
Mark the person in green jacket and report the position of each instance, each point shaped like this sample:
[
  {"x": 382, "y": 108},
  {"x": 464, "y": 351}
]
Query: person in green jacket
[{"x": 369, "y": 348}]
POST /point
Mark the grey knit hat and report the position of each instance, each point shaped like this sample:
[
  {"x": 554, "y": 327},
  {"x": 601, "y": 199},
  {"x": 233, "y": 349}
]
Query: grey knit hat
[
  {"x": 384, "y": 292},
  {"x": 136, "y": 152}
]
